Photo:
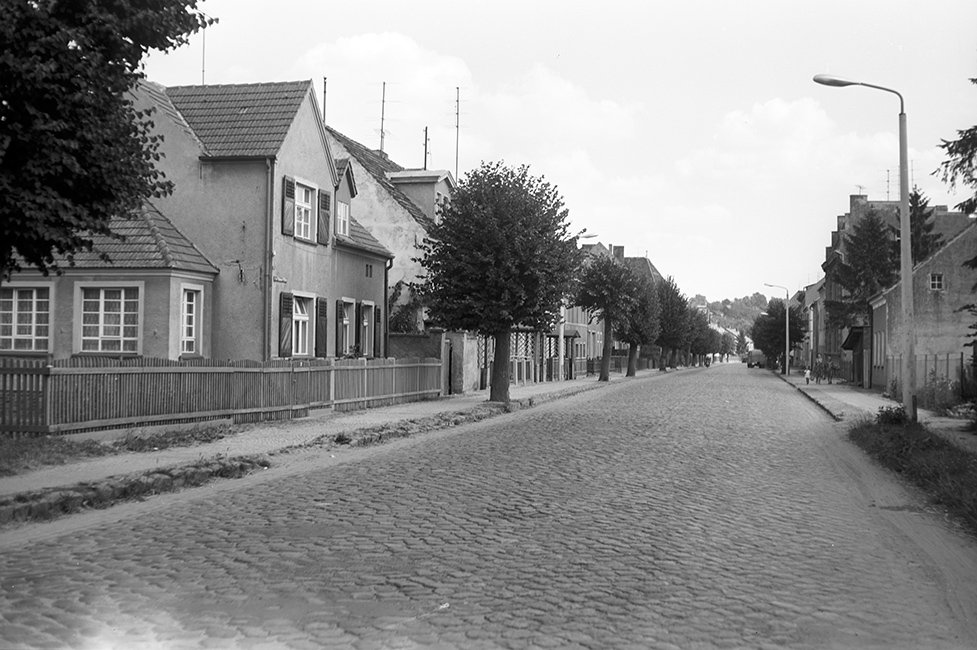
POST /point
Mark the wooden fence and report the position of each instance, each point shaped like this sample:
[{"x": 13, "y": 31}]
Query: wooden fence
[{"x": 41, "y": 397}]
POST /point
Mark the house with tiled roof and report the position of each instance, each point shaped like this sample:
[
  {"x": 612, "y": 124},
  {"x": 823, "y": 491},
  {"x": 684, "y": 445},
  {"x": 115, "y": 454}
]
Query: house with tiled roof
[
  {"x": 258, "y": 189},
  {"x": 147, "y": 291},
  {"x": 395, "y": 204}
]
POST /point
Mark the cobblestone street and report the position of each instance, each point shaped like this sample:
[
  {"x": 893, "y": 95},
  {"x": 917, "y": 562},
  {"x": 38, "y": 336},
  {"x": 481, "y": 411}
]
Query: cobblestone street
[{"x": 694, "y": 509}]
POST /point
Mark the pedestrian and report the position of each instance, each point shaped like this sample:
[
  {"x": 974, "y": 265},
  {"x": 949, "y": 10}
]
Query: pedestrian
[{"x": 807, "y": 376}]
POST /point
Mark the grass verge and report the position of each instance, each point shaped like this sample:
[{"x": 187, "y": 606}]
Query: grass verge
[
  {"x": 26, "y": 454},
  {"x": 946, "y": 473}
]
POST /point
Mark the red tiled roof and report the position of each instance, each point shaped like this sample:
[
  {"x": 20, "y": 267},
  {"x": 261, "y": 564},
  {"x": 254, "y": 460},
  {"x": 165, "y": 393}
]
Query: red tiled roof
[
  {"x": 360, "y": 237},
  {"x": 379, "y": 165},
  {"x": 240, "y": 119},
  {"x": 148, "y": 241}
]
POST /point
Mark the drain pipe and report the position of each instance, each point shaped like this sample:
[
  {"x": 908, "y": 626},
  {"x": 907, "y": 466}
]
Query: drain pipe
[
  {"x": 266, "y": 283},
  {"x": 386, "y": 307}
]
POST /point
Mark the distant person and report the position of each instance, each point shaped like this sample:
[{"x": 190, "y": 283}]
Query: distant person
[{"x": 807, "y": 376}]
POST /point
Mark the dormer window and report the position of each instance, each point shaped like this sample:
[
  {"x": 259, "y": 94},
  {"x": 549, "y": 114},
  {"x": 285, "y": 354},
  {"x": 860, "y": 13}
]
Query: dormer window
[{"x": 342, "y": 218}]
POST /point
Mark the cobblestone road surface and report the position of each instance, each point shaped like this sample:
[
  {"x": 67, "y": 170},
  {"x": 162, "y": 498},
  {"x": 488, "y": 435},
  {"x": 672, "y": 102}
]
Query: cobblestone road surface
[{"x": 697, "y": 509}]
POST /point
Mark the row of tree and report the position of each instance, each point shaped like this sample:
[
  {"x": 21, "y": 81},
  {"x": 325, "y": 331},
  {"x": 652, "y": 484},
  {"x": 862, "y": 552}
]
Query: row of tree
[{"x": 502, "y": 257}]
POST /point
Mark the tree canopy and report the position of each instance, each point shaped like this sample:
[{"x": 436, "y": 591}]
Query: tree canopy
[
  {"x": 73, "y": 150},
  {"x": 500, "y": 257},
  {"x": 673, "y": 316},
  {"x": 768, "y": 329},
  {"x": 868, "y": 267},
  {"x": 641, "y": 325},
  {"x": 924, "y": 242},
  {"x": 960, "y": 167},
  {"x": 607, "y": 290}
]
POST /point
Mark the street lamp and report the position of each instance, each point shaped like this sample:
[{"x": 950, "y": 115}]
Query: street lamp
[
  {"x": 905, "y": 248},
  {"x": 786, "y": 325}
]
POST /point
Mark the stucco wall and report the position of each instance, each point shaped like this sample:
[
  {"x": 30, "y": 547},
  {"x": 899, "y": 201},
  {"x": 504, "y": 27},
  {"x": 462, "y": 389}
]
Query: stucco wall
[{"x": 940, "y": 327}]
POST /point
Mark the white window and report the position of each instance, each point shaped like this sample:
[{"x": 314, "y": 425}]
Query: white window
[
  {"x": 348, "y": 318},
  {"x": 304, "y": 211},
  {"x": 342, "y": 218},
  {"x": 190, "y": 320},
  {"x": 936, "y": 282},
  {"x": 110, "y": 319},
  {"x": 366, "y": 329},
  {"x": 301, "y": 332},
  {"x": 25, "y": 319}
]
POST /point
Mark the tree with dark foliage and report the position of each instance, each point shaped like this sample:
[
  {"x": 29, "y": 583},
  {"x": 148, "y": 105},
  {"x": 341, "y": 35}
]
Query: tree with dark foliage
[
  {"x": 73, "y": 150},
  {"x": 500, "y": 258},
  {"x": 768, "y": 329},
  {"x": 640, "y": 326},
  {"x": 674, "y": 318},
  {"x": 921, "y": 225},
  {"x": 607, "y": 291},
  {"x": 869, "y": 265}
]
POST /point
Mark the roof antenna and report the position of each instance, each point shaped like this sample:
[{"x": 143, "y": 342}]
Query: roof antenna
[
  {"x": 324, "y": 80},
  {"x": 426, "y": 140},
  {"x": 457, "y": 126},
  {"x": 203, "y": 55},
  {"x": 383, "y": 108}
]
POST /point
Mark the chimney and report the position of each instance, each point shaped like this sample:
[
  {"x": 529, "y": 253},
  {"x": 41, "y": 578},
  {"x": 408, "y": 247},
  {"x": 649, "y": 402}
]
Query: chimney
[{"x": 618, "y": 252}]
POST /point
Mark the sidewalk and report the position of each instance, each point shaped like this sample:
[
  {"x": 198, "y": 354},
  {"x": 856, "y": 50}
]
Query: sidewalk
[
  {"x": 847, "y": 403},
  {"x": 81, "y": 481}
]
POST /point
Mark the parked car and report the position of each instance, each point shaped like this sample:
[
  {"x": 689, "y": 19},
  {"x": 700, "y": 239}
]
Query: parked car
[{"x": 755, "y": 358}]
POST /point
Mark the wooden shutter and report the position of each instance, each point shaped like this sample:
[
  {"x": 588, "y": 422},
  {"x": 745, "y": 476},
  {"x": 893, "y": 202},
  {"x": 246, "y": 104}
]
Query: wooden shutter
[
  {"x": 322, "y": 218},
  {"x": 285, "y": 325},
  {"x": 357, "y": 340},
  {"x": 321, "y": 313},
  {"x": 377, "y": 332},
  {"x": 340, "y": 348},
  {"x": 288, "y": 206}
]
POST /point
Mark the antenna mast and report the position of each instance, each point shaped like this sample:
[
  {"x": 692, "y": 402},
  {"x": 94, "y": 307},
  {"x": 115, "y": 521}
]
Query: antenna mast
[
  {"x": 457, "y": 126},
  {"x": 203, "y": 55},
  {"x": 324, "y": 80},
  {"x": 425, "y": 147},
  {"x": 383, "y": 108}
]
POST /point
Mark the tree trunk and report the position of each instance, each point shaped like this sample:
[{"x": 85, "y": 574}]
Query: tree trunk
[
  {"x": 663, "y": 359},
  {"x": 605, "y": 362},
  {"x": 501, "y": 368},
  {"x": 633, "y": 359}
]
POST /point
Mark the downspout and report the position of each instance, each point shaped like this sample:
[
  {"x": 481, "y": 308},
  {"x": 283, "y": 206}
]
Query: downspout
[
  {"x": 386, "y": 306},
  {"x": 266, "y": 285}
]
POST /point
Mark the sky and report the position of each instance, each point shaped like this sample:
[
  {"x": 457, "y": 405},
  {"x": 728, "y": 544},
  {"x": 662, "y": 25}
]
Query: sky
[{"x": 689, "y": 132}]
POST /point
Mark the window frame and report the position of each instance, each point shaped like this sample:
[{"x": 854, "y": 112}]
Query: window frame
[
  {"x": 14, "y": 287},
  {"x": 303, "y": 324},
  {"x": 937, "y": 282},
  {"x": 304, "y": 229},
  {"x": 79, "y": 312},
  {"x": 349, "y": 334},
  {"x": 197, "y": 326},
  {"x": 342, "y": 218},
  {"x": 366, "y": 331}
]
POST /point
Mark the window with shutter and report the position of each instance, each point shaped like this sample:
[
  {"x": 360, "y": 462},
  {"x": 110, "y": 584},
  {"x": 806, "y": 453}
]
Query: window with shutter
[
  {"x": 322, "y": 234},
  {"x": 285, "y": 325},
  {"x": 288, "y": 206},
  {"x": 341, "y": 324}
]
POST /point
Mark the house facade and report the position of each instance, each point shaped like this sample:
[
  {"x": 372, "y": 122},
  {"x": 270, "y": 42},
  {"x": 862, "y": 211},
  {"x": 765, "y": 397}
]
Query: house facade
[
  {"x": 941, "y": 286},
  {"x": 847, "y": 347},
  {"x": 258, "y": 190},
  {"x": 397, "y": 206},
  {"x": 153, "y": 297}
]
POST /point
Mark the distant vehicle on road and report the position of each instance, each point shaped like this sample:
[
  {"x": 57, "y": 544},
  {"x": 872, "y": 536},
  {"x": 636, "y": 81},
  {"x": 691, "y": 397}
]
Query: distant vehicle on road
[{"x": 755, "y": 358}]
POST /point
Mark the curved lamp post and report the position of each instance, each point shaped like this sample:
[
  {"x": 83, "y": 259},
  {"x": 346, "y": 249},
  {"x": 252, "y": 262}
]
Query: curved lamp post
[
  {"x": 905, "y": 248},
  {"x": 786, "y": 370}
]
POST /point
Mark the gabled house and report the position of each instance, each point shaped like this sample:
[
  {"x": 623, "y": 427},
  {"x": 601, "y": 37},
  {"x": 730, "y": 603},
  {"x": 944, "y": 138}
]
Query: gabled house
[
  {"x": 941, "y": 286},
  {"x": 259, "y": 191},
  {"x": 397, "y": 206},
  {"x": 147, "y": 292}
]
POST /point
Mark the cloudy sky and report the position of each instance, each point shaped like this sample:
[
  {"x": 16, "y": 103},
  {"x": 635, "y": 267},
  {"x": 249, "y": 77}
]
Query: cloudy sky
[{"x": 688, "y": 131}]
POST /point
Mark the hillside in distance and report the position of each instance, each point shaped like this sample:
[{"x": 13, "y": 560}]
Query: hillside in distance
[{"x": 736, "y": 314}]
